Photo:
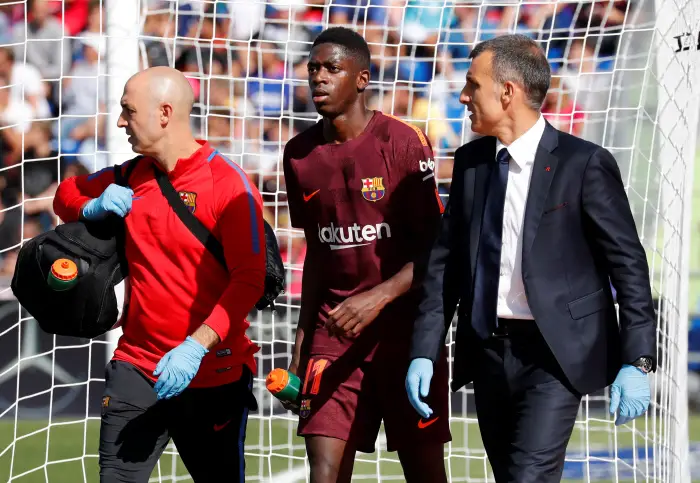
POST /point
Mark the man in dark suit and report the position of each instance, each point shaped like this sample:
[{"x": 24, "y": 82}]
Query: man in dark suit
[{"x": 537, "y": 226}]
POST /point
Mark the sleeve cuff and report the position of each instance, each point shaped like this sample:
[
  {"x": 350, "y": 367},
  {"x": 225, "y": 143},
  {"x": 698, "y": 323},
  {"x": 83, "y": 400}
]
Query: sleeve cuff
[{"x": 219, "y": 323}]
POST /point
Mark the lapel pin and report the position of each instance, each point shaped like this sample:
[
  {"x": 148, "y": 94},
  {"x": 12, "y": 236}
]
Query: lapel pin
[{"x": 547, "y": 168}]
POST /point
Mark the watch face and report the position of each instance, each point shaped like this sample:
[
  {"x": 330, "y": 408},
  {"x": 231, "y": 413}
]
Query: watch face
[{"x": 645, "y": 364}]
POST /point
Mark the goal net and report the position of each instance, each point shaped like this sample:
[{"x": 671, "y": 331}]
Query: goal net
[{"x": 625, "y": 76}]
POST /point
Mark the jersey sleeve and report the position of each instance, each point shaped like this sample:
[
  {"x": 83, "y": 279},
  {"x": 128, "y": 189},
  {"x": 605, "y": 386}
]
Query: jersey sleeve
[
  {"x": 240, "y": 220},
  {"x": 415, "y": 156},
  {"x": 74, "y": 192},
  {"x": 294, "y": 193}
]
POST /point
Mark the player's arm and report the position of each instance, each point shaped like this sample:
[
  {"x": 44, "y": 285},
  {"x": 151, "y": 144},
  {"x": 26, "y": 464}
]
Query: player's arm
[
  {"x": 353, "y": 314},
  {"x": 423, "y": 213},
  {"x": 74, "y": 194},
  {"x": 424, "y": 207}
]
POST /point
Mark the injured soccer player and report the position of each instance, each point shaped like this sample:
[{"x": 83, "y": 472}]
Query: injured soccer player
[{"x": 360, "y": 183}]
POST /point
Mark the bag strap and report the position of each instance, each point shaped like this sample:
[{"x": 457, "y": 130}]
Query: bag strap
[
  {"x": 187, "y": 217},
  {"x": 122, "y": 179}
]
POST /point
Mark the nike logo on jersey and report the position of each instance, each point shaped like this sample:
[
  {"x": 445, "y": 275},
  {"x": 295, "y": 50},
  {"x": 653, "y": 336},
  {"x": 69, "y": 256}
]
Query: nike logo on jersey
[
  {"x": 308, "y": 197},
  {"x": 340, "y": 238},
  {"x": 424, "y": 424},
  {"x": 219, "y": 427}
]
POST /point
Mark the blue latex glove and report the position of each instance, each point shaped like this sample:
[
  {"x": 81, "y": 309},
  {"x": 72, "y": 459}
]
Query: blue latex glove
[
  {"x": 178, "y": 367},
  {"x": 420, "y": 372},
  {"x": 630, "y": 393},
  {"x": 115, "y": 198}
]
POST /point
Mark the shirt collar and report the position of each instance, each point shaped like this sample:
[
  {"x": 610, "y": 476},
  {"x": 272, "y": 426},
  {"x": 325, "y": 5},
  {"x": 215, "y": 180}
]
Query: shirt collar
[
  {"x": 523, "y": 149},
  {"x": 185, "y": 164}
]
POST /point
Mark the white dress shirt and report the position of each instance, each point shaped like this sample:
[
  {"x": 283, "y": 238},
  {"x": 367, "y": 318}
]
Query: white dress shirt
[{"x": 512, "y": 302}]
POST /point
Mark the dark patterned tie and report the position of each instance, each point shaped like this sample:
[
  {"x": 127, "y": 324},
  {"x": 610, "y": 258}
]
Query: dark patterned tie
[{"x": 488, "y": 262}]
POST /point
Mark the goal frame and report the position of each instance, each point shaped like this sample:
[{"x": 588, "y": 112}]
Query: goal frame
[{"x": 676, "y": 86}]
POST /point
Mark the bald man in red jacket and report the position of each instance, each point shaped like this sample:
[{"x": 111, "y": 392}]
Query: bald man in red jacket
[{"x": 184, "y": 365}]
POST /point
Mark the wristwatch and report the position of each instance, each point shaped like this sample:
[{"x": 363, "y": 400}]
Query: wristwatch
[{"x": 644, "y": 363}]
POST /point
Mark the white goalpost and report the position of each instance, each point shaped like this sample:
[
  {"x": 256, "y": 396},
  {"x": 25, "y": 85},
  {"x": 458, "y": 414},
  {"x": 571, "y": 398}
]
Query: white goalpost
[{"x": 626, "y": 75}]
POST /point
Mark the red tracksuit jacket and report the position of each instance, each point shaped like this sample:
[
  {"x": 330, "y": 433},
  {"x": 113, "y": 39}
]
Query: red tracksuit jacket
[{"x": 176, "y": 284}]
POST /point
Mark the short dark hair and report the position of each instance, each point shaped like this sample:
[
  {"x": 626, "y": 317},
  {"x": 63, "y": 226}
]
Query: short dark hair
[
  {"x": 519, "y": 59},
  {"x": 350, "y": 40}
]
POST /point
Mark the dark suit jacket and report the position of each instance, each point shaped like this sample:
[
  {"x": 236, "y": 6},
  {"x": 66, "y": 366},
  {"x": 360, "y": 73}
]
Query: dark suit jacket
[{"x": 578, "y": 236}]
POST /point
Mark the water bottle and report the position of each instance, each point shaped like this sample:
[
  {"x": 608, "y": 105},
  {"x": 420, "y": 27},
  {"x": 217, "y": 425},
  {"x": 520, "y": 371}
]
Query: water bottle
[
  {"x": 284, "y": 385},
  {"x": 63, "y": 275}
]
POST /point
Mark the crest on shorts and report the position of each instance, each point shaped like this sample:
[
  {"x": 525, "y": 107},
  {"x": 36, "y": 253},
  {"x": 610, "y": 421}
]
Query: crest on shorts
[
  {"x": 373, "y": 188},
  {"x": 305, "y": 408},
  {"x": 189, "y": 199},
  {"x": 105, "y": 401}
]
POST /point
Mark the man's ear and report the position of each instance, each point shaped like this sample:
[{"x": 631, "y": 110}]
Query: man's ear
[
  {"x": 166, "y": 113},
  {"x": 509, "y": 89},
  {"x": 508, "y": 92},
  {"x": 363, "y": 80}
]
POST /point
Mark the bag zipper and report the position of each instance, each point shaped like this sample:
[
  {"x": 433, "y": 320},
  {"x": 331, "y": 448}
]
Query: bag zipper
[{"x": 82, "y": 245}]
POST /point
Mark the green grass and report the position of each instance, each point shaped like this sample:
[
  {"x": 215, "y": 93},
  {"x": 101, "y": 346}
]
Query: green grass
[
  {"x": 66, "y": 452},
  {"x": 694, "y": 282}
]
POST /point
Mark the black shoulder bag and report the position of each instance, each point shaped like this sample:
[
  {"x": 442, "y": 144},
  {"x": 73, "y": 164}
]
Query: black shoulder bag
[{"x": 88, "y": 308}]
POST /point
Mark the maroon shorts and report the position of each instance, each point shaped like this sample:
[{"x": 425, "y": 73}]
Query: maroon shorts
[{"x": 348, "y": 401}]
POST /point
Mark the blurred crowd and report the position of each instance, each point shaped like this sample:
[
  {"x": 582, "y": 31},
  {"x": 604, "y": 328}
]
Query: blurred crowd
[{"x": 245, "y": 60}]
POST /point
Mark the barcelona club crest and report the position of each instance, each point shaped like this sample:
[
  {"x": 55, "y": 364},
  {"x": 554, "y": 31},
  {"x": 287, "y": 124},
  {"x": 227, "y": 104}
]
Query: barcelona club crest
[
  {"x": 189, "y": 199},
  {"x": 373, "y": 189},
  {"x": 305, "y": 408}
]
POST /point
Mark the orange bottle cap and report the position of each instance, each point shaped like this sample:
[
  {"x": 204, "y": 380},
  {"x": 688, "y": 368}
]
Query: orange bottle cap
[
  {"x": 64, "y": 269},
  {"x": 277, "y": 380}
]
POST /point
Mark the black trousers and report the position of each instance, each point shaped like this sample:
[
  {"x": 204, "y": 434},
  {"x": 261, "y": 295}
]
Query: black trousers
[
  {"x": 207, "y": 425},
  {"x": 525, "y": 406}
]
